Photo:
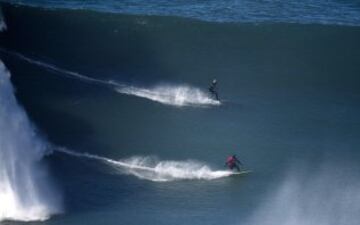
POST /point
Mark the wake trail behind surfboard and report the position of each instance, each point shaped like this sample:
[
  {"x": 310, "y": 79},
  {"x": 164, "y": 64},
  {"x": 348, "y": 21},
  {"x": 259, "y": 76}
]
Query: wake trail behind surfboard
[
  {"x": 148, "y": 168},
  {"x": 170, "y": 94}
]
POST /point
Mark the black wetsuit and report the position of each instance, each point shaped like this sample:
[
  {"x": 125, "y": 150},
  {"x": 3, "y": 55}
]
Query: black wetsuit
[{"x": 213, "y": 91}]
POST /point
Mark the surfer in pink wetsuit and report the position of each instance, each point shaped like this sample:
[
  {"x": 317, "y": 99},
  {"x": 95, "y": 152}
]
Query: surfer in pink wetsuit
[{"x": 233, "y": 162}]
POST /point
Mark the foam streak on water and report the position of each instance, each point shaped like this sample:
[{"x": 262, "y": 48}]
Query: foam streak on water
[
  {"x": 25, "y": 191},
  {"x": 180, "y": 95},
  {"x": 149, "y": 168}
]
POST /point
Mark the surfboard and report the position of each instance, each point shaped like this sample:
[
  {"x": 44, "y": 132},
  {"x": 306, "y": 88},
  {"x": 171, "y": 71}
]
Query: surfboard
[{"x": 241, "y": 172}]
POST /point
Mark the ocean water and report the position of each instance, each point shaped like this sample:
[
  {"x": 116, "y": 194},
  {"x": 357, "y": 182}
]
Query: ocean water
[
  {"x": 253, "y": 11},
  {"x": 106, "y": 117}
]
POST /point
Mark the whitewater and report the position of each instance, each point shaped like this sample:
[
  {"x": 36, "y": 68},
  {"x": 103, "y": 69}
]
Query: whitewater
[
  {"x": 168, "y": 94},
  {"x": 26, "y": 191}
]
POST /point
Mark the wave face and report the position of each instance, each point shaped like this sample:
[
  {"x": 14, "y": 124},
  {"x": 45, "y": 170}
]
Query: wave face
[
  {"x": 149, "y": 168},
  {"x": 25, "y": 191},
  {"x": 298, "y": 92},
  {"x": 171, "y": 95},
  {"x": 307, "y": 11},
  {"x": 323, "y": 197},
  {"x": 151, "y": 50}
]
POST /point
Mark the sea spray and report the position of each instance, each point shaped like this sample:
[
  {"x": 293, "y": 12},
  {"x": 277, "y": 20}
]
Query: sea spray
[
  {"x": 152, "y": 169},
  {"x": 327, "y": 196},
  {"x": 26, "y": 194}
]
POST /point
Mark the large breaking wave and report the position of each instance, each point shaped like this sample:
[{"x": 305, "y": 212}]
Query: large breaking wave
[
  {"x": 150, "y": 168},
  {"x": 25, "y": 191},
  {"x": 169, "y": 94}
]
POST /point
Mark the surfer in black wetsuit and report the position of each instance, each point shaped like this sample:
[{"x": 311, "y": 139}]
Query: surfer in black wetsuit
[{"x": 213, "y": 90}]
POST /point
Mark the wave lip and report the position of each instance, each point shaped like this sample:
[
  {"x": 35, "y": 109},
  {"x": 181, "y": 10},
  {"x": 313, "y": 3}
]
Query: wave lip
[
  {"x": 180, "y": 95},
  {"x": 26, "y": 193}
]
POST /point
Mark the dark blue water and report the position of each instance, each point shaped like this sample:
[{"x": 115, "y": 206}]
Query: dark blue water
[
  {"x": 308, "y": 11},
  {"x": 121, "y": 100}
]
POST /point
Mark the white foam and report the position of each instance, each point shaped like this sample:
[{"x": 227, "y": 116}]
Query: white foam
[
  {"x": 155, "y": 170},
  {"x": 177, "y": 95},
  {"x": 151, "y": 169},
  {"x": 25, "y": 192}
]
